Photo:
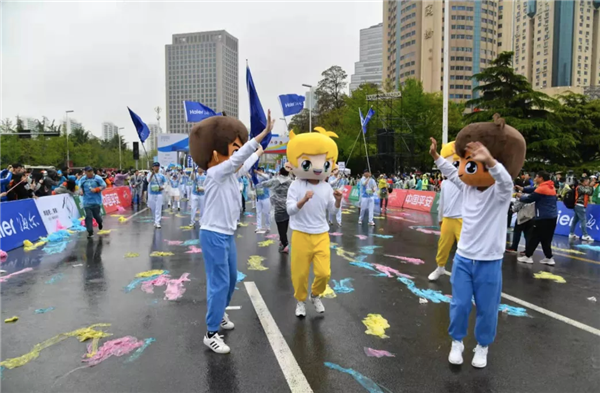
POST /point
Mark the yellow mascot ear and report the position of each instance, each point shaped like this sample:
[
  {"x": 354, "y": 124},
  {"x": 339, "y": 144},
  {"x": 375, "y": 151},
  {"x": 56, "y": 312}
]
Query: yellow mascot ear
[
  {"x": 323, "y": 131},
  {"x": 292, "y": 135}
]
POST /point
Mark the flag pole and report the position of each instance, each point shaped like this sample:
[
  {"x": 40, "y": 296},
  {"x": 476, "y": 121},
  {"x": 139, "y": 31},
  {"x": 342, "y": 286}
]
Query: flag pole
[
  {"x": 366, "y": 151},
  {"x": 351, "y": 150},
  {"x": 284, "y": 118}
]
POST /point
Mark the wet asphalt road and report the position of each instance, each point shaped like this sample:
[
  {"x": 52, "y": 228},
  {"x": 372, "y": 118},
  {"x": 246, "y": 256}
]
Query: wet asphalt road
[{"x": 531, "y": 354}]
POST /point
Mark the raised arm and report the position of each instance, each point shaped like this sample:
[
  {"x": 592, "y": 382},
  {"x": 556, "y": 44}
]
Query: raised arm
[
  {"x": 504, "y": 182},
  {"x": 444, "y": 166}
]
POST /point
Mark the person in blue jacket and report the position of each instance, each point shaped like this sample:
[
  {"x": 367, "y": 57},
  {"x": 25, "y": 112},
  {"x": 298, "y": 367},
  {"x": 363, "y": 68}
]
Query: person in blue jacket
[
  {"x": 91, "y": 186},
  {"x": 6, "y": 176}
]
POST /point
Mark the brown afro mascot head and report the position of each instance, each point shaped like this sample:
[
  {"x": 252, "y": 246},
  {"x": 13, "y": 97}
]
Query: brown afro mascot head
[
  {"x": 214, "y": 140},
  {"x": 504, "y": 142}
]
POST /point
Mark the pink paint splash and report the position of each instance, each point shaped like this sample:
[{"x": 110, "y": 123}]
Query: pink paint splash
[
  {"x": 414, "y": 261},
  {"x": 362, "y": 237},
  {"x": 370, "y": 352},
  {"x": 59, "y": 226},
  {"x": 118, "y": 347},
  {"x": 272, "y": 236},
  {"x": 3, "y": 256},
  {"x": 5, "y": 278},
  {"x": 194, "y": 250},
  {"x": 253, "y": 223},
  {"x": 429, "y": 231},
  {"x": 175, "y": 288},
  {"x": 174, "y": 242},
  {"x": 120, "y": 209},
  {"x": 404, "y": 219},
  {"x": 389, "y": 271},
  {"x": 335, "y": 233}
]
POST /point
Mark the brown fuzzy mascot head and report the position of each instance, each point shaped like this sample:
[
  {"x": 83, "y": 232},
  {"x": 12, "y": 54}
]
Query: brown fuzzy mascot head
[
  {"x": 214, "y": 140},
  {"x": 504, "y": 142}
]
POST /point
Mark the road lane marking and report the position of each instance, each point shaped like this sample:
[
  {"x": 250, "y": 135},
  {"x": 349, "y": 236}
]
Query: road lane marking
[
  {"x": 562, "y": 255},
  {"x": 233, "y": 308},
  {"x": 291, "y": 370},
  {"x": 133, "y": 215},
  {"x": 549, "y": 313}
]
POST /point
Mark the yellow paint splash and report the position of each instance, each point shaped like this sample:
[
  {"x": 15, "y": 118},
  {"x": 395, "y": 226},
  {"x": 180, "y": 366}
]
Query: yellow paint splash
[
  {"x": 179, "y": 215},
  {"x": 239, "y": 236},
  {"x": 12, "y": 319},
  {"x": 255, "y": 263},
  {"x": 116, "y": 215},
  {"x": 29, "y": 246},
  {"x": 346, "y": 213},
  {"x": 187, "y": 227},
  {"x": 266, "y": 243},
  {"x": 242, "y": 224},
  {"x": 132, "y": 255},
  {"x": 161, "y": 254},
  {"x": 376, "y": 325},
  {"x": 329, "y": 293},
  {"x": 378, "y": 218},
  {"x": 149, "y": 273},
  {"x": 82, "y": 334},
  {"x": 568, "y": 250},
  {"x": 104, "y": 232},
  {"x": 122, "y": 219},
  {"x": 347, "y": 255},
  {"x": 549, "y": 276}
]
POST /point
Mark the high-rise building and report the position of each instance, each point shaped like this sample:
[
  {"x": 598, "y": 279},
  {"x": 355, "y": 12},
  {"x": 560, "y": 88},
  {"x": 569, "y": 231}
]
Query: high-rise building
[
  {"x": 155, "y": 130},
  {"x": 74, "y": 124},
  {"x": 369, "y": 68},
  {"x": 413, "y": 43},
  {"x": 201, "y": 67},
  {"x": 557, "y": 43},
  {"x": 109, "y": 130}
]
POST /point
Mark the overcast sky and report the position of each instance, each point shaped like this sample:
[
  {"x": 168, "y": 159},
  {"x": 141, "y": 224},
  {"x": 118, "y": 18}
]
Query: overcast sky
[{"x": 99, "y": 58}]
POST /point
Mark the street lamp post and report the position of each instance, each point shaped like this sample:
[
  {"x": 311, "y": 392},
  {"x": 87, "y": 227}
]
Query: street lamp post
[
  {"x": 119, "y": 138},
  {"x": 68, "y": 129},
  {"x": 309, "y": 106}
]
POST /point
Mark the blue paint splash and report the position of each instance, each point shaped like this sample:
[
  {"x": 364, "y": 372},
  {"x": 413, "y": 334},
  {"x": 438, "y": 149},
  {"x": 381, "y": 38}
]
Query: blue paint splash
[
  {"x": 146, "y": 220},
  {"x": 514, "y": 311},
  {"x": 382, "y": 236},
  {"x": 364, "y": 265},
  {"x": 191, "y": 242},
  {"x": 343, "y": 286},
  {"x": 139, "y": 280},
  {"x": 369, "y": 250},
  {"x": 58, "y": 236},
  {"x": 436, "y": 227},
  {"x": 240, "y": 276},
  {"x": 430, "y": 294},
  {"x": 588, "y": 247},
  {"x": 360, "y": 258},
  {"x": 56, "y": 248},
  {"x": 44, "y": 310},
  {"x": 365, "y": 382},
  {"x": 55, "y": 278},
  {"x": 141, "y": 349}
]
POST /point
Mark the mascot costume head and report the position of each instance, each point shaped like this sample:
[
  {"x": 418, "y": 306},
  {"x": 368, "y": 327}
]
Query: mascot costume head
[
  {"x": 449, "y": 153},
  {"x": 504, "y": 142},
  {"x": 312, "y": 155},
  {"x": 214, "y": 140}
]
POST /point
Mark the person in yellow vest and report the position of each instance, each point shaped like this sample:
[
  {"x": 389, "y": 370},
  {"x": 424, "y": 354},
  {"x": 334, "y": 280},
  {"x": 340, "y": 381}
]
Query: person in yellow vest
[
  {"x": 425, "y": 182},
  {"x": 449, "y": 215}
]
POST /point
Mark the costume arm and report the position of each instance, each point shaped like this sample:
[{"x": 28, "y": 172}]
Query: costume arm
[
  {"x": 229, "y": 167},
  {"x": 450, "y": 172},
  {"x": 292, "y": 200},
  {"x": 441, "y": 204},
  {"x": 247, "y": 165},
  {"x": 504, "y": 181}
]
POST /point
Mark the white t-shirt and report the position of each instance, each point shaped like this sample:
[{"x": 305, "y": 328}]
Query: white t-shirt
[
  {"x": 222, "y": 193},
  {"x": 484, "y": 213},
  {"x": 450, "y": 201},
  {"x": 312, "y": 217}
]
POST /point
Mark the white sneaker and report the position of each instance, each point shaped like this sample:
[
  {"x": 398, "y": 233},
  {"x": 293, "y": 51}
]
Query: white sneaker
[
  {"x": 587, "y": 238},
  {"x": 572, "y": 236},
  {"x": 339, "y": 223},
  {"x": 455, "y": 356},
  {"x": 548, "y": 261},
  {"x": 158, "y": 226},
  {"x": 316, "y": 301},
  {"x": 359, "y": 222},
  {"x": 525, "y": 259},
  {"x": 300, "y": 309},
  {"x": 437, "y": 273},
  {"x": 226, "y": 323},
  {"x": 480, "y": 358},
  {"x": 216, "y": 343},
  {"x": 372, "y": 223}
]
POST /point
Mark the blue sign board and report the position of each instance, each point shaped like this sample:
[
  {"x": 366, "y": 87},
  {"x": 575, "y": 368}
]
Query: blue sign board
[
  {"x": 565, "y": 217},
  {"x": 20, "y": 220}
]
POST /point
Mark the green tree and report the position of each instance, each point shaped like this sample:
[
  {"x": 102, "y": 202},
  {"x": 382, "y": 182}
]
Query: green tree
[
  {"x": 330, "y": 91},
  {"x": 79, "y": 136}
]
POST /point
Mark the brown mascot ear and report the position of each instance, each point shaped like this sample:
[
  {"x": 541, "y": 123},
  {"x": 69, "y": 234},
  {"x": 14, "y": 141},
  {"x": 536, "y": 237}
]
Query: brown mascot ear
[{"x": 504, "y": 142}]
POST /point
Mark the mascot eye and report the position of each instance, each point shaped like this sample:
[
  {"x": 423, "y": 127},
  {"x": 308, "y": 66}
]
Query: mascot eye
[
  {"x": 456, "y": 164},
  {"x": 471, "y": 167},
  {"x": 306, "y": 165},
  {"x": 327, "y": 166}
]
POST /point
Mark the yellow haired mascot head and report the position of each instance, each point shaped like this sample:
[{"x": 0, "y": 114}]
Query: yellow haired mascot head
[
  {"x": 449, "y": 154},
  {"x": 312, "y": 155}
]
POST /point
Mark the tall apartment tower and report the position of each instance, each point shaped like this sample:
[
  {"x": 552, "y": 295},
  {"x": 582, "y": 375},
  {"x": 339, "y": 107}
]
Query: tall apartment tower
[
  {"x": 109, "y": 130},
  {"x": 369, "y": 67},
  {"x": 155, "y": 130},
  {"x": 557, "y": 43},
  {"x": 201, "y": 67},
  {"x": 413, "y": 43}
]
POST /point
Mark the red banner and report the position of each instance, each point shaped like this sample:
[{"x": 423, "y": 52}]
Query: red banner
[
  {"x": 396, "y": 198},
  {"x": 346, "y": 191},
  {"x": 419, "y": 200},
  {"x": 114, "y": 197}
]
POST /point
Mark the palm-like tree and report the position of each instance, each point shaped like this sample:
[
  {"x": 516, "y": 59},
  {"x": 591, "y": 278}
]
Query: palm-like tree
[{"x": 80, "y": 136}]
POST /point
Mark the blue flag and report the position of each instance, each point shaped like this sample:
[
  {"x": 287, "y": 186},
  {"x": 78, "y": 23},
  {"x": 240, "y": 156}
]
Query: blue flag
[
  {"x": 291, "y": 104},
  {"x": 365, "y": 120},
  {"x": 195, "y": 112},
  {"x": 141, "y": 127},
  {"x": 258, "y": 120}
]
